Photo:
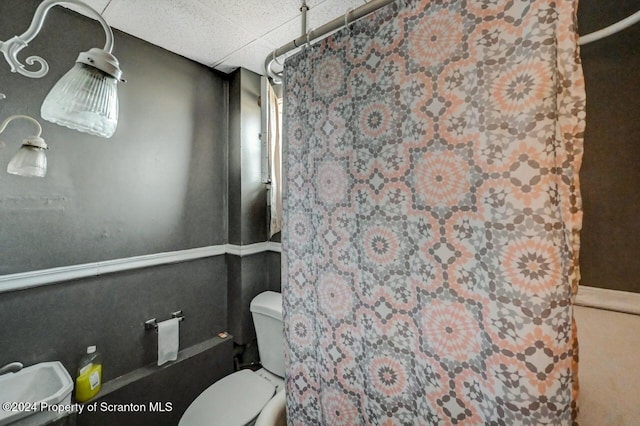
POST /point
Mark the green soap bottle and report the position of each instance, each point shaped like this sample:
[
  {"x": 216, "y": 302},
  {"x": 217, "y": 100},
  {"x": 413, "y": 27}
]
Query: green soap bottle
[{"x": 89, "y": 378}]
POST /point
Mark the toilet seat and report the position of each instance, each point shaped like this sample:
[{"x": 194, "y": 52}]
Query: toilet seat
[{"x": 235, "y": 400}]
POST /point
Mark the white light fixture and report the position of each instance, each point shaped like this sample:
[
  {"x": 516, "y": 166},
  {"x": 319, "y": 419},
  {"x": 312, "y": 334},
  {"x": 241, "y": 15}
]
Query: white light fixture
[
  {"x": 86, "y": 97},
  {"x": 30, "y": 160}
]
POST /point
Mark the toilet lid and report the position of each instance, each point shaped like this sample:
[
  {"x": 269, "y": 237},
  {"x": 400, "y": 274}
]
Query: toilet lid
[{"x": 234, "y": 400}]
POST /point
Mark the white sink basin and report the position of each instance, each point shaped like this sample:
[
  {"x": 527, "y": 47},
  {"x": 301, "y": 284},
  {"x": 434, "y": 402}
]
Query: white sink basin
[{"x": 36, "y": 393}]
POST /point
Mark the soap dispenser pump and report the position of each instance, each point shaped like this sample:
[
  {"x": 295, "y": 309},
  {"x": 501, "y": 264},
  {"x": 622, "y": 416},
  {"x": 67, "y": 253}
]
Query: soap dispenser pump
[{"x": 89, "y": 378}]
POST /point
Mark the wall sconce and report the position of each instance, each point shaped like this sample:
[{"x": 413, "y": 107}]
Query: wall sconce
[
  {"x": 86, "y": 97},
  {"x": 30, "y": 160}
]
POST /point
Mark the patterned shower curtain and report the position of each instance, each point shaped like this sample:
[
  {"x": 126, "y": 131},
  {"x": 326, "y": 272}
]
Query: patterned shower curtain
[{"x": 432, "y": 212}]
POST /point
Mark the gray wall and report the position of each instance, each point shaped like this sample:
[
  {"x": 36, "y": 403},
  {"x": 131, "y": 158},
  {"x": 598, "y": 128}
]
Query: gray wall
[
  {"x": 182, "y": 171},
  {"x": 610, "y": 176},
  {"x": 58, "y": 322},
  {"x": 159, "y": 184},
  {"x": 247, "y": 193},
  {"x": 250, "y": 275},
  {"x": 176, "y": 384}
]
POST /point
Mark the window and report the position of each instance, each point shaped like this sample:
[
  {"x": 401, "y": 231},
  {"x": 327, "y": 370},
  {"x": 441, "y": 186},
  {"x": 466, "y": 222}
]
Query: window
[{"x": 271, "y": 138}]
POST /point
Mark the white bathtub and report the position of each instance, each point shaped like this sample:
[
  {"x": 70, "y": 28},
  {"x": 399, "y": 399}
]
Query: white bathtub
[{"x": 609, "y": 370}]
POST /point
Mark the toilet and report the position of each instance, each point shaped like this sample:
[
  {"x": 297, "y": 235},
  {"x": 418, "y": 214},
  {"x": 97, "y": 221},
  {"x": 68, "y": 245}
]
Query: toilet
[{"x": 238, "y": 399}]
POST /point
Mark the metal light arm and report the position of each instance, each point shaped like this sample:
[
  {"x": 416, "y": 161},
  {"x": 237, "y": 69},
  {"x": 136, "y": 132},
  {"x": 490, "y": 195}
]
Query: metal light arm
[
  {"x": 8, "y": 120},
  {"x": 13, "y": 46}
]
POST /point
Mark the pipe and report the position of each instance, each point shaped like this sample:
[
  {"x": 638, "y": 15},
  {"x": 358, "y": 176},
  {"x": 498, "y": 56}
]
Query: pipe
[
  {"x": 330, "y": 26},
  {"x": 304, "y": 9},
  {"x": 8, "y": 120},
  {"x": 611, "y": 29},
  {"x": 41, "y": 13}
]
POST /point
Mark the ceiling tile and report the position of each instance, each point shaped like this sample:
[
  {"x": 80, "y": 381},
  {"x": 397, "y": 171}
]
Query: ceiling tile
[
  {"x": 255, "y": 16},
  {"x": 330, "y": 10},
  {"x": 314, "y": 3},
  {"x": 98, "y": 5},
  {"x": 284, "y": 33},
  {"x": 220, "y": 33},
  {"x": 319, "y": 15},
  {"x": 181, "y": 26},
  {"x": 251, "y": 57}
]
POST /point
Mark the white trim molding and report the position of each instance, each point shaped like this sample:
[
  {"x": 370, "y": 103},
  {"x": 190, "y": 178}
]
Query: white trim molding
[
  {"x": 611, "y": 300},
  {"x": 250, "y": 249},
  {"x": 592, "y": 297},
  {"x": 24, "y": 280}
]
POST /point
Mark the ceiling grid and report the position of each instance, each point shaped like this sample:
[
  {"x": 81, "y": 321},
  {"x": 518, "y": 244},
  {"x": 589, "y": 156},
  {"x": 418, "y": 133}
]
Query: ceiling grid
[{"x": 221, "y": 34}]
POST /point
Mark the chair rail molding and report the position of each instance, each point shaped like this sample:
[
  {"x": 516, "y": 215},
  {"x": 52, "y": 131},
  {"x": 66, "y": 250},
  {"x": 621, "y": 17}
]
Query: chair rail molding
[
  {"x": 25, "y": 280},
  {"x": 592, "y": 297}
]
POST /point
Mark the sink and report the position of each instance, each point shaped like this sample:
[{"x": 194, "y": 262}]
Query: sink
[{"x": 34, "y": 388}]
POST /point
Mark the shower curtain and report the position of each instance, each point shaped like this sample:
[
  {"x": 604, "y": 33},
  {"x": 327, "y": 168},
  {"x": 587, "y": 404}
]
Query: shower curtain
[{"x": 431, "y": 217}]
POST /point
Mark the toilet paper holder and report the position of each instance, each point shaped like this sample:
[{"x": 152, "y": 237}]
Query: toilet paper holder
[{"x": 152, "y": 324}]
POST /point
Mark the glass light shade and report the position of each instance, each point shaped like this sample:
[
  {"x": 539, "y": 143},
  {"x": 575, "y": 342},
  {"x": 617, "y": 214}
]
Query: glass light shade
[
  {"x": 29, "y": 161},
  {"x": 84, "y": 99}
]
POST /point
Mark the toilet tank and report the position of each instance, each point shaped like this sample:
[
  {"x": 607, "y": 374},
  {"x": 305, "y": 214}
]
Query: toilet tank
[{"x": 266, "y": 310}]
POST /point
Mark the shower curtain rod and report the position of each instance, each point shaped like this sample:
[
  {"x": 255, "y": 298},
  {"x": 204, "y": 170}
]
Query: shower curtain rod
[
  {"x": 611, "y": 29},
  {"x": 350, "y": 16},
  {"x": 373, "y": 5}
]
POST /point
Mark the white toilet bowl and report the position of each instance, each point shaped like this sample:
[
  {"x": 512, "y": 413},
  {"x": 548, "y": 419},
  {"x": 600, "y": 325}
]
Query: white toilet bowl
[
  {"x": 275, "y": 412},
  {"x": 238, "y": 399},
  {"x": 235, "y": 400}
]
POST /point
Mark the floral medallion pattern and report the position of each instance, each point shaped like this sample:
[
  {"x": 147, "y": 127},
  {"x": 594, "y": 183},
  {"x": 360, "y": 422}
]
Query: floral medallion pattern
[{"x": 431, "y": 217}]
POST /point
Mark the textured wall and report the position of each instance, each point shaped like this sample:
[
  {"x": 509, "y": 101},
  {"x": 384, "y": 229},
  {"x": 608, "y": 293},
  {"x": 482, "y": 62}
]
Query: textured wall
[
  {"x": 160, "y": 184},
  {"x": 249, "y": 275},
  {"x": 157, "y": 185},
  {"x": 247, "y": 193},
  {"x": 58, "y": 322},
  {"x": 610, "y": 176}
]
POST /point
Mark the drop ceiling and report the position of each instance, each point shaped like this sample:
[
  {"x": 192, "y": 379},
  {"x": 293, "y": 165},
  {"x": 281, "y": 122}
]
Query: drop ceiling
[{"x": 222, "y": 34}]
